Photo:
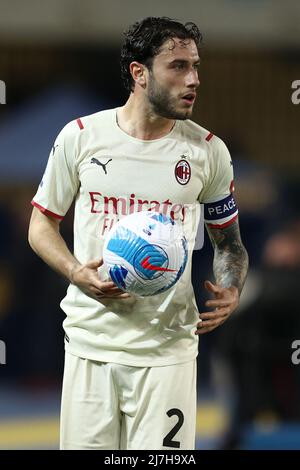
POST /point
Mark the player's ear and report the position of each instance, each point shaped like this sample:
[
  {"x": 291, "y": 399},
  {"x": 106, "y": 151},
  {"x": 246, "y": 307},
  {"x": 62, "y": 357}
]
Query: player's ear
[{"x": 137, "y": 71}]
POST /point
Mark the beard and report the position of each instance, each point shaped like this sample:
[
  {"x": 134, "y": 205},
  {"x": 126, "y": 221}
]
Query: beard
[{"x": 163, "y": 104}]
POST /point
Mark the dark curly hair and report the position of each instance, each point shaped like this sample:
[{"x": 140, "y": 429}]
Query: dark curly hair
[{"x": 144, "y": 39}]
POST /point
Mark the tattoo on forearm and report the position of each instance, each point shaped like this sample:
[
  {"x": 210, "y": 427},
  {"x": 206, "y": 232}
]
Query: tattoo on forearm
[{"x": 231, "y": 259}]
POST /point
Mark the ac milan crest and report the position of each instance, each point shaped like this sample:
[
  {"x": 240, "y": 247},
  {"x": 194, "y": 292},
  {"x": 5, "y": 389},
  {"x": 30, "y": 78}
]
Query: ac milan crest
[{"x": 183, "y": 172}]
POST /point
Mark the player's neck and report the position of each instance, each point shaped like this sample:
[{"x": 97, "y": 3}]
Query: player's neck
[{"x": 138, "y": 120}]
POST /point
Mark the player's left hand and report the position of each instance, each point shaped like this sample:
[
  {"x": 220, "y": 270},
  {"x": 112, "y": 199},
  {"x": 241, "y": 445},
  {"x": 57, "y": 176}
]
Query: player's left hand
[{"x": 225, "y": 302}]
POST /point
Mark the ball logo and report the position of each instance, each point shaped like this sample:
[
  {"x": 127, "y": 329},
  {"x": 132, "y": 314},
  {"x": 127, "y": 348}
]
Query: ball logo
[
  {"x": 183, "y": 172},
  {"x": 151, "y": 261},
  {"x": 147, "y": 265}
]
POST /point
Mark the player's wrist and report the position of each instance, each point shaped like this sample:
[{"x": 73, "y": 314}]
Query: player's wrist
[
  {"x": 73, "y": 268},
  {"x": 235, "y": 291}
]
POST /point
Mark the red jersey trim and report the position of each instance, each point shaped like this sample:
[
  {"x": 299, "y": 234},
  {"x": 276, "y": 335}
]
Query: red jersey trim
[
  {"x": 79, "y": 122},
  {"x": 210, "y": 135},
  {"x": 45, "y": 211},
  {"x": 223, "y": 225}
]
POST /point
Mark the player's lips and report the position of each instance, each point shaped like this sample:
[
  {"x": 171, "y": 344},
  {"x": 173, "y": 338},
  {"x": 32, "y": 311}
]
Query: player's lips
[{"x": 189, "y": 98}]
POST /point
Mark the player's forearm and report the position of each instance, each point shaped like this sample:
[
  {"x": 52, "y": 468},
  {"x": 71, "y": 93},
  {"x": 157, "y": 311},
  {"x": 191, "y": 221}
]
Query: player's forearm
[
  {"x": 230, "y": 266},
  {"x": 47, "y": 242},
  {"x": 230, "y": 259}
]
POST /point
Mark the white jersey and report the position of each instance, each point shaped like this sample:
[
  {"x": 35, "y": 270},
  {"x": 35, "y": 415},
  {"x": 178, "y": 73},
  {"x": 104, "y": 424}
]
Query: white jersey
[{"x": 111, "y": 174}]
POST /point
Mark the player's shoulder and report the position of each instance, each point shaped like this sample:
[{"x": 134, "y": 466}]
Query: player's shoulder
[
  {"x": 201, "y": 136},
  {"x": 88, "y": 122},
  {"x": 104, "y": 117}
]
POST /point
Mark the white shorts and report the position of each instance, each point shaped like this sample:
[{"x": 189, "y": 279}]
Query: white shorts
[{"x": 112, "y": 406}]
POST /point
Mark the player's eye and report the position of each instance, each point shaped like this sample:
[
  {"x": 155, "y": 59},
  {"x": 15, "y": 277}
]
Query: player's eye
[{"x": 179, "y": 66}]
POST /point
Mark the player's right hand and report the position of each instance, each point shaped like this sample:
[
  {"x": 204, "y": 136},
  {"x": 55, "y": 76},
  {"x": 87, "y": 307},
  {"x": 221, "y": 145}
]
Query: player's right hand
[{"x": 86, "y": 278}]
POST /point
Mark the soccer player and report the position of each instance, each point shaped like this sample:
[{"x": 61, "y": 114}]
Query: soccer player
[{"x": 130, "y": 366}]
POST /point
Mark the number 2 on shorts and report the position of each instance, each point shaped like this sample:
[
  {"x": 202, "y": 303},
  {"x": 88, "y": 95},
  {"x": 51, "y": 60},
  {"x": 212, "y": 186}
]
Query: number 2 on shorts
[{"x": 168, "y": 442}]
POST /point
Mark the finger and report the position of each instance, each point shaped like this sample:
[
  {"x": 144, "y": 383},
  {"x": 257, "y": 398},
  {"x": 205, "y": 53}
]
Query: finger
[
  {"x": 217, "y": 303},
  {"x": 104, "y": 286},
  {"x": 124, "y": 295},
  {"x": 211, "y": 322},
  {"x": 96, "y": 290},
  {"x": 207, "y": 324},
  {"x": 115, "y": 290},
  {"x": 203, "y": 331},
  {"x": 111, "y": 292},
  {"x": 217, "y": 312},
  {"x": 202, "y": 328},
  {"x": 214, "y": 315},
  {"x": 207, "y": 329},
  {"x": 95, "y": 263},
  {"x": 111, "y": 286},
  {"x": 115, "y": 294},
  {"x": 212, "y": 287}
]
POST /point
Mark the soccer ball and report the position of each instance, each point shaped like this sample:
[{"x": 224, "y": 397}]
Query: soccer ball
[{"x": 145, "y": 253}]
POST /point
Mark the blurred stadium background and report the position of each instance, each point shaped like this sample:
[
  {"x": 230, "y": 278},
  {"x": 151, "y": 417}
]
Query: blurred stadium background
[{"x": 60, "y": 60}]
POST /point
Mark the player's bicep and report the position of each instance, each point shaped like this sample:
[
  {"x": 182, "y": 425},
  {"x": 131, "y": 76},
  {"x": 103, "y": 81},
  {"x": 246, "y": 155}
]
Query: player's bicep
[
  {"x": 42, "y": 227},
  {"x": 39, "y": 216},
  {"x": 41, "y": 223}
]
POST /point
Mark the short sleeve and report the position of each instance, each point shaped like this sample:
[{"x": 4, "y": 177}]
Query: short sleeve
[
  {"x": 220, "y": 173},
  {"x": 220, "y": 208},
  {"x": 60, "y": 182}
]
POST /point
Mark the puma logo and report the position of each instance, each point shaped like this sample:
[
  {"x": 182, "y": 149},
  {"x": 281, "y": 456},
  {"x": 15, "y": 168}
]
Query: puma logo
[{"x": 103, "y": 165}]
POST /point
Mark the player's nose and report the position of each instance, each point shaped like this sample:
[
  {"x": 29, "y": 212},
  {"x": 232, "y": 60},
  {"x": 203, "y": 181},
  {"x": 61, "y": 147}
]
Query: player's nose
[{"x": 192, "y": 79}]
